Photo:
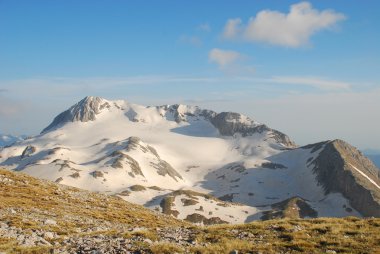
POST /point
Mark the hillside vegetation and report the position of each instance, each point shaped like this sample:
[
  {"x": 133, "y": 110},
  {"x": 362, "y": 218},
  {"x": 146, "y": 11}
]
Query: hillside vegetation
[{"x": 38, "y": 216}]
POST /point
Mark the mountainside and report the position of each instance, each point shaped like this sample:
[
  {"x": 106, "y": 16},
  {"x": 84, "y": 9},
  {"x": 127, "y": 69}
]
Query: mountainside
[
  {"x": 37, "y": 216},
  {"x": 342, "y": 168},
  {"x": 196, "y": 164},
  {"x": 6, "y": 140}
]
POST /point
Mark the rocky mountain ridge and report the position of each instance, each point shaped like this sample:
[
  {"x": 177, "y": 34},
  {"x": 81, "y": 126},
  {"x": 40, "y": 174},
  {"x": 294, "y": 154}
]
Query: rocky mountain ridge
[{"x": 337, "y": 170}]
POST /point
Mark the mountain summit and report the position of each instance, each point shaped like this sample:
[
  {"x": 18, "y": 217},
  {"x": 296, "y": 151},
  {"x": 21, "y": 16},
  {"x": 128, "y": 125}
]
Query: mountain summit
[
  {"x": 227, "y": 123},
  {"x": 84, "y": 111},
  {"x": 197, "y": 164}
]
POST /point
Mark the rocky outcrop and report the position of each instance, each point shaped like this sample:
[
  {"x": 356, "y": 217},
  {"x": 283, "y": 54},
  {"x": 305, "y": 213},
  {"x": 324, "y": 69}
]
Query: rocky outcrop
[
  {"x": 121, "y": 159},
  {"x": 292, "y": 208},
  {"x": 342, "y": 168},
  {"x": 162, "y": 166},
  {"x": 28, "y": 151},
  {"x": 84, "y": 111},
  {"x": 271, "y": 165},
  {"x": 200, "y": 219},
  {"x": 229, "y": 123},
  {"x": 181, "y": 113}
]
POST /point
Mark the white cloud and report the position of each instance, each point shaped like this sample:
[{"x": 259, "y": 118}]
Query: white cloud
[
  {"x": 224, "y": 58},
  {"x": 205, "y": 27},
  {"x": 232, "y": 28},
  {"x": 320, "y": 83},
  {"x": 230, "y": 62},
  {"x": 193, "y": 40},
  {"x": 292, "y": 29}
]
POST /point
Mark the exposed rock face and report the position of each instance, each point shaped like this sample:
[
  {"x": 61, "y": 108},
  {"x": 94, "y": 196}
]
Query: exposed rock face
[
  {"x": 282, "y": 138},
  {"x": 28, "y": 151},
  {"x": 198, "y": 218},
  {"x": 84, "y": 111},
  {"x": 293, "y": 208},
  {"x": 177, "y": 114},
  {"x": 120, "y": 158},
  {"x": 342, "y": 168},
  {"x": 162, "y": 166},
  {"x": 272, "y": 165},
  {"x": 229, "y": 123},
  {"x": 97, "y": 174}
]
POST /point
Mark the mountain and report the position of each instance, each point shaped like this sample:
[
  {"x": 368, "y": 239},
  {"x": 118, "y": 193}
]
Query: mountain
[
  {"x": 342, "y": 168},
  {"x": 6, "y": 140},
  {"x": 39, "y": 216},
  {"x": 197, "y": 164}
]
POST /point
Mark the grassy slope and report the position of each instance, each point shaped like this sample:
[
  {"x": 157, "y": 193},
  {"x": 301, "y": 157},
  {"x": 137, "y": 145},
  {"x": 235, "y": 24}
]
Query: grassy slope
[{"x": 26, "y": 202}]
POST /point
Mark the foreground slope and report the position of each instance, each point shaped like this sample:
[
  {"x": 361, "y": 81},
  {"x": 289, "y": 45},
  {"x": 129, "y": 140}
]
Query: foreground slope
[
  {"x": 193, "y": 163},
  {"x": 38, "y": 216}
]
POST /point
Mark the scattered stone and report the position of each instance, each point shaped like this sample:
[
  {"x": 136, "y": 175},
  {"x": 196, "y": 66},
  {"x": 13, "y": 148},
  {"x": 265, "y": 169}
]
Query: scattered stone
[
  {"x": 49, "y": 235},
  {"x": 50, "y": 222}
]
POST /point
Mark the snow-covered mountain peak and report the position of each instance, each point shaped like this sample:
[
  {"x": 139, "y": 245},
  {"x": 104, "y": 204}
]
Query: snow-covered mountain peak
[
  {"x": 147, "y": 153},
  {"x": 84, "y": 111}
]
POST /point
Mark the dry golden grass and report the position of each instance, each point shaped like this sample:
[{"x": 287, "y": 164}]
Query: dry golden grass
[
  {"x": 33, "y": 200},
  {"x": 36, "y": 196},
  {"x": 347, "y": 235},
  {"x": 165, "y": 248}
]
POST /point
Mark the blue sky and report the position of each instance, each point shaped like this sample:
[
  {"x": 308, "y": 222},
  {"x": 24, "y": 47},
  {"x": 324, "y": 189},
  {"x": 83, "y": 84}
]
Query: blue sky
[{"x": 309, "y": 69}]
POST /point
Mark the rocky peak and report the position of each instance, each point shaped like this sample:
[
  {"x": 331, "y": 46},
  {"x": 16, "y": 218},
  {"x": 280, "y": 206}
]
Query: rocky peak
[
  {"x": 83, "y": 111},
  {"x": 181, "y": 113},
  {"x": 229, "y": 123},
  {"x": 87, "y": 109},
  {"x": 342, "y": 168}
]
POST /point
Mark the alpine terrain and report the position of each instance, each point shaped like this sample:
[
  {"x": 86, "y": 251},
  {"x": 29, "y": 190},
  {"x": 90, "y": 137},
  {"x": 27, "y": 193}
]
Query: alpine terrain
[
  {"x": 38, "y": 216},
  {"x": 197, "y": 164},
  {"x": 6, "y": 140}
]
